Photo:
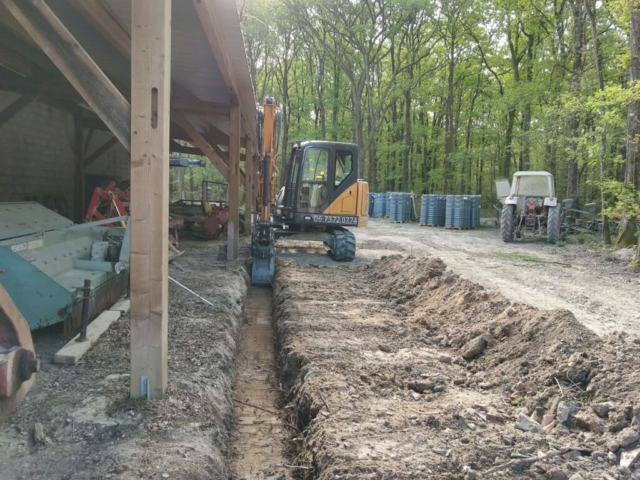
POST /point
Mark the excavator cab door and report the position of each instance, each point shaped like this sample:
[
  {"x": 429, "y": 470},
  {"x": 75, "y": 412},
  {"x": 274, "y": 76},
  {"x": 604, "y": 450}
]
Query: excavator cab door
[{"x": 287, "y": 205}]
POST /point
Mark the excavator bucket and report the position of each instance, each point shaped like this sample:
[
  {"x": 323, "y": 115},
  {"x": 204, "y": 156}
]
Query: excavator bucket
[
  {"x": 18, "y": 361},
  {"x": 262, "y": 271},
  {"x": 263, "y": 253}
]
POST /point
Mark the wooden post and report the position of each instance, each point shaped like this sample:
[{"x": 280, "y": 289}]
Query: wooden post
[
  {"x": 78, "y": 181},
  {"x": 234, "y": 184},
  {"x": 256, "y": 184},
  {"x": 248, "y": 188},
  {"x": 150, "y": 92}
]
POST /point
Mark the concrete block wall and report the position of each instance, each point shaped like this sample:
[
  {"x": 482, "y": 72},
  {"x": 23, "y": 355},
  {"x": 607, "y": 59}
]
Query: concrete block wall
[{"x": 37, "y": 154}]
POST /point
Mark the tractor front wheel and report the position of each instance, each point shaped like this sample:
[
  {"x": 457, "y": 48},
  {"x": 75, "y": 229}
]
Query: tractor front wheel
[
  {"x": 507, "y": 223},
  {"x": 553, "y": 224}
]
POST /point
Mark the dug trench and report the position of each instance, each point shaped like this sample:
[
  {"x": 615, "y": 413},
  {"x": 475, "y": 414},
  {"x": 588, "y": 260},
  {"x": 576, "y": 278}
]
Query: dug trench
[{"x": 400, "y": 369}]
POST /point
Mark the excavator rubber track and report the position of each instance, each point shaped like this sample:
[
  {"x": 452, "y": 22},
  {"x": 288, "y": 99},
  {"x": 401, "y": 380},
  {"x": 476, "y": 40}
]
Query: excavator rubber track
[{"x": 341, "y": 245}]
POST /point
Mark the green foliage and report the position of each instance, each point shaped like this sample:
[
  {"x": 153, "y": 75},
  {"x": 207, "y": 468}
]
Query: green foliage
[
  {"x": 453, "y": 95},
  {"x": 626, "y": 198}
]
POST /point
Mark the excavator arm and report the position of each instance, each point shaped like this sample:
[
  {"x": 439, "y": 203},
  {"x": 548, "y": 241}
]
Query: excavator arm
[{"x": 262, "y": 240}]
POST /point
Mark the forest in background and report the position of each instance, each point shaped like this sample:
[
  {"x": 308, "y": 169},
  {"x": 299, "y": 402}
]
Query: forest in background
[{"x": 446, "y": 97}]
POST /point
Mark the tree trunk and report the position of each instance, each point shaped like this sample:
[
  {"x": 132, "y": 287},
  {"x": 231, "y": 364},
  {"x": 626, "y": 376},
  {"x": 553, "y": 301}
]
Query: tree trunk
[
  {"x": 591, "y": 11},
  {"x": 577, "y": 8},
  {"x": 407, "y": 141},
  {"x": 633, "y": 115},
  {"x": 181, "y": 183},
  {"x": 191, "y": 184},
  {"x": 448, "y": 142},
  {"x": 359, "y": 127},
  {"x": 525, "y": 163},
  {"x": 508, "y": 143},
  {"x": 336, "y": 99}
]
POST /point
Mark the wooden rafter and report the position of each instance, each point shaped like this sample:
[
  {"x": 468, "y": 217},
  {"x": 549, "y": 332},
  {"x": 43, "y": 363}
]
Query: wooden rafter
[
  {"x": 214, "y": 32},
  {"x": 89, "y": 159},
  {"x": 103, "y": 19},
  {"x": 15, "y": 62},
  {"x": 175, "y": 147},
  {"x": 75, "y": 64},
  {"x": 15, "y": 107},
  {"x": 200, "y": 142}
]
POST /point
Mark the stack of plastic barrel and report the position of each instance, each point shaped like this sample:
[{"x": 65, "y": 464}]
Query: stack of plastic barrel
[
  {"x": 432, "y": 211},
  {"x": 387, "y": 208},
  {"x": 392, "y": 206},
  {"x": 400, "y": 207},
  {"x": 372, "y": 201},
  {"x": 462, "y": 211},
  {"x": 475, "y": 211}
]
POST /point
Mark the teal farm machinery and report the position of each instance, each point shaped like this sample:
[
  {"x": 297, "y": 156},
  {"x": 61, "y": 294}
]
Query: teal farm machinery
[{"x": 49, "y": 269}]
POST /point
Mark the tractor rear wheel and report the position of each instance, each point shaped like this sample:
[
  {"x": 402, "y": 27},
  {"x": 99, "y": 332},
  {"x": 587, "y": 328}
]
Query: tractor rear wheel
[
  {"x": 343, "y": 245},
  {"x": 506, "y": 223},
  {"x": 553, "y": 224}
]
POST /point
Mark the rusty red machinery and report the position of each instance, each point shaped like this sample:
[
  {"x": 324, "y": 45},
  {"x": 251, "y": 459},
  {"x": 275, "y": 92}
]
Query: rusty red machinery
[
  {"x": 108, "y": 202},
  {"x": 111, "y": 202},
  {"x": 18, "y": 362},
  {"x": 206, "y": 220}
]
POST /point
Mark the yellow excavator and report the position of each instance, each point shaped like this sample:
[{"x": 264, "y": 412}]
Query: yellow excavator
[{"x": 321, "y": 194}]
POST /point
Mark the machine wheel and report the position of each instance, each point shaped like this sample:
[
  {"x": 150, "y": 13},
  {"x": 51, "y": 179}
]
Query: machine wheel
[
  {"x": 553, "y": 224},
  {"x": 506, "y": 223},
  {"x": 343, "y": 248}
]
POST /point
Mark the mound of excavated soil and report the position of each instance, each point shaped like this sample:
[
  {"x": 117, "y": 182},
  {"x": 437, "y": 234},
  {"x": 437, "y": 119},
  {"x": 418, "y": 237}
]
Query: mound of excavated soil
[{"x": 403, "y": 370}]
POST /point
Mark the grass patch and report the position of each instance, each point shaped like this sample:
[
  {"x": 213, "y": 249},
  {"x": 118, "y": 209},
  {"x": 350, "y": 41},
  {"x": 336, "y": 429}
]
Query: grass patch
[
  {"x": 519, "y": 257},
  {"x": 582, "y": 239}
]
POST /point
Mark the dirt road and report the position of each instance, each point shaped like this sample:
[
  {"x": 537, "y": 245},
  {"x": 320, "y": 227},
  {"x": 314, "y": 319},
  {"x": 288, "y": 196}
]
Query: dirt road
[{"x": 593, "y": 283}]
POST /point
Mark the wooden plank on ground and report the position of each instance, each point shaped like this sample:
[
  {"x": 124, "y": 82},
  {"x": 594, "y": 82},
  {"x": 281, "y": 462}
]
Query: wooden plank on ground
[
  {"x": 150, "y": 86},
  {"x": 73, "y": 351}
]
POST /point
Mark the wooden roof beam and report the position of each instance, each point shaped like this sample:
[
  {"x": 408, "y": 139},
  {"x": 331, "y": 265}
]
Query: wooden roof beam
[
  {"x": 103, "y": 19},
  {"x": 214, "y": 32},
  {"x": 75, "y": 64},
  {"x": 15, "y": 62},
  {"x": 200, "y": 142},
  {"x": 15, "y": 107},
  {"x": 88, "y": 160}
]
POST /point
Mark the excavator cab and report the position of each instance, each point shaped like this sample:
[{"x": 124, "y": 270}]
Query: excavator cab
[{"x": 322, "y": 188}]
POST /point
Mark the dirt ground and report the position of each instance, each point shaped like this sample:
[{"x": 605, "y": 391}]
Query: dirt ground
[
  {"x": 403, "y": 370},
  {"x": 93, "y": 431},
  {"x": 592, "y": 282},
  {"x": 372, "y": 369}
]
